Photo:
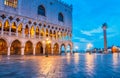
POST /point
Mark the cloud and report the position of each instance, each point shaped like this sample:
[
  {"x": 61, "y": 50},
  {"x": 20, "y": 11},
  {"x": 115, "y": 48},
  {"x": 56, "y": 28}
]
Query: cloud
[
  {"x": 86, "y": 33},
  {"x": 82, "y": 40},
  {"x": 109, "y": 36},
  {"x": 92, "y": 32}
]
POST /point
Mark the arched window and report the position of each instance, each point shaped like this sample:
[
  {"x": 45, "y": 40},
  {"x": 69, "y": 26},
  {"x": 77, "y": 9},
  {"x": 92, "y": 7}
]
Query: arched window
[
  {"x": 61, "y": 17},
  {"x": 11, "y": 3},
  {"x": 41, "y": 10}
]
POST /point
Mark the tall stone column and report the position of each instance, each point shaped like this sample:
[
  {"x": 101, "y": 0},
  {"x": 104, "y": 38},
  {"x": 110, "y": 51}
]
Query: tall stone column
[{"x": 104, "y": 27}]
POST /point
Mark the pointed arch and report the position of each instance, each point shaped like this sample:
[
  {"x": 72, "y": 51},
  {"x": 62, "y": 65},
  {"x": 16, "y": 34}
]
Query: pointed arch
[
  {"x": 13, "y": 27},
  {"x": 28, "y": 48},
  {"x": 6, "y": 26},
  {"x": 56, "y": 48},
  {"x": 54, "y": 34},
  {"x": 15, "y": 48},
  {"x": 39, "y": 48},
  {"x": 65, "y": 35},
  {"x": 32, "y": 31},
  {"x": 57, "y": 34},
  {"x": 26, "y": 31},
  {"x": 3, "y": 47},
  {"x": 37, "y": 31},
  {"x": 51, "y": 34},
  {"x": 20, "y": 26},
  {"x": 47, "y": 33},
  {"x": 42, "y": 32},
  {"x": 48, "y": 48},
  {"x": 62, "y": 48},
  {"x": 41, "y": 10}
]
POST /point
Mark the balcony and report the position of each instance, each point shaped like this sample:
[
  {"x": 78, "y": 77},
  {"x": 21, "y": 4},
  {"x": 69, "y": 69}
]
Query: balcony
[{"x": 14, "y": 34}]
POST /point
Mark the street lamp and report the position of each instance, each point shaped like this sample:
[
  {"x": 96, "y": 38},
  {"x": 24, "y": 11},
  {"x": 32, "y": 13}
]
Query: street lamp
[
  {"x": 89, "y": 46},
  {"x": 76, "y": 48}
]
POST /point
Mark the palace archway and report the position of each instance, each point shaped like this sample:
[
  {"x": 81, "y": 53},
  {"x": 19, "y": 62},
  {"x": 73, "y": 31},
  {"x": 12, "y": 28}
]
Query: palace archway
[
  {"x": 3, "y": 47},
  {"x": 28, "y": 48},
  {"x": 56, "y": 49},
  {"x": 62, "y": 48},
  {"x": 15, "y": 48},
  {"x": 68, "y": 48},
  {"x": 48, "y": 48},
  {"x": 39, "y": 48},
  {"x": 20, "y": 29}
]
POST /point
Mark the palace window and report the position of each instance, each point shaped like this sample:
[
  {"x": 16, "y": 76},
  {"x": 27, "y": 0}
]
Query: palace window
[
  {"x": 60, "y": 17},
  {"x": 41, "y": 10},
  {"x": 11, "y": 3}
]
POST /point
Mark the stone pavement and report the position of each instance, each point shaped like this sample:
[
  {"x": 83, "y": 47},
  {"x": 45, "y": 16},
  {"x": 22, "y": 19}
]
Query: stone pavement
[{"x": 65, "y": 66}]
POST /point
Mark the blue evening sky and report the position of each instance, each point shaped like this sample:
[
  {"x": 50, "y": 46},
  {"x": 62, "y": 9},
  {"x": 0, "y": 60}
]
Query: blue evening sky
[{"x": 88, "y": 17}]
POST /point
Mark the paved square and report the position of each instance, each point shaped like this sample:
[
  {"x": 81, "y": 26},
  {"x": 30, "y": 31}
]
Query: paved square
[{"x": 65, "y": 66}]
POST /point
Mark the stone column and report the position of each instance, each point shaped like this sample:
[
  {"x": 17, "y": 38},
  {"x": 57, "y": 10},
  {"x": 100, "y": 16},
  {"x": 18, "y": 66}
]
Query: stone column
[
  {"x": 52, "y": 51},
  {"x": 10, "y": 31},
  {"x": 34, "y": 34},
  {"x": 43, "y": 49},
  {"x": 23, "y": 34},
  {"x": 59, "y": 50},
  {"x": 22, "y": 53},
  {"x": 52, "y": 35},
  {"x": 34, "y": 50},
  {"x": 8, "y": 51},
  {"x": 40, "y": 33},
  {"x": 65, "y": 50},
  {"x": 2, "y": 29},
  {"x": 71, "y": 50},
  {"x": 56, "y": 36},
  {"x": 17, "y": 32},
  {"x": 49, "y": 33},
  {"x": 29, "y": 34},
  {"x": 44, "y": 33}
]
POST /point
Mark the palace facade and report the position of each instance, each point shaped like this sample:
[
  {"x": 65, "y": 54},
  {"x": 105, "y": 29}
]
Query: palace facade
[{"x": 34, "y": 27}]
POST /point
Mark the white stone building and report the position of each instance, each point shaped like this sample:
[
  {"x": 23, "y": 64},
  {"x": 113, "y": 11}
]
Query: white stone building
[{"x": 34, "y": 27}]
